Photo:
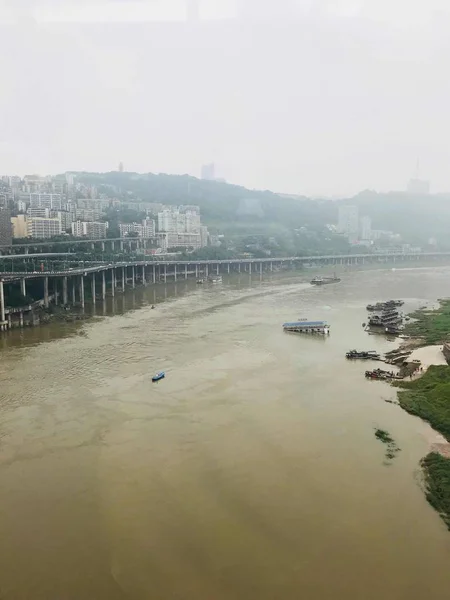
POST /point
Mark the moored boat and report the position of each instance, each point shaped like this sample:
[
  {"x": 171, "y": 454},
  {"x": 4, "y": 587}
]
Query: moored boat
[
  {"x": 304, "y": 326},
  {"x": 158, "y": 376},
  {"x": 364, "y": 355}
]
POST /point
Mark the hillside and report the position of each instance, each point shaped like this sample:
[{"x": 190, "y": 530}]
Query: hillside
[{"x": 227, "y": 207}]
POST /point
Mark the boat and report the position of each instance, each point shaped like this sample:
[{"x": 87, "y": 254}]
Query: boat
[
  {"x": 304, "y": 326},
  {"x": 380, "y": 374},
  {"x": 325, "y": 280},
  {"x": 388, "y": 305},
  {"x": 200, "y": 281},
  {"x": 158, "y": 376},
  {"x": 364, "y": 355},
  {"x": 215, "y": 279},
  {"x": 153, "y": 306}
]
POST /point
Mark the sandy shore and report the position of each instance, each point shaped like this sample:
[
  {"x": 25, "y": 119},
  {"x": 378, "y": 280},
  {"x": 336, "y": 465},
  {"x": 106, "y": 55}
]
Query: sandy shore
[{"x": 428, "y": 355}]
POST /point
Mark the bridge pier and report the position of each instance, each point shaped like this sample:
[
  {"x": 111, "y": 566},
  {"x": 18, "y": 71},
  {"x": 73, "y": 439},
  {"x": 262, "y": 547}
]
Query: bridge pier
[
  {"x": 175, "y": 272},
  {"x": 239, "y": 267},
  {"x": 154, "y": 274},
  {"x": 46, "y": 292},
  {"x": 65, "y": 298},
  {"x": 260, "y": 268},
  {"x": 249, "y": 268},
  {"x": 133, "y": 277},
  {"x": 82, "y": 291},
  {"x": 123, "y": 279},
  {"x": 207, "y": 270},
  {"x": 55, "y": 290},
  {"x": 165, "y": 273},
  {"x": 2, "y": 305},
  {"x": 217, "y": 268},
  {"x": 74, "y": 292},
  {"x": 23, "y": 287},
  {"x": 196, "y": 271},
  {"x": 144, "y": 282},
  {"x": 113, "y": 282},
  {"x": 93, "y": 288},
  {"x": 103, "y": 286},
  {"x": 228, "y": 268},
  {"x": 185, "y": 271},
  {"x": 21, "y": 319}
]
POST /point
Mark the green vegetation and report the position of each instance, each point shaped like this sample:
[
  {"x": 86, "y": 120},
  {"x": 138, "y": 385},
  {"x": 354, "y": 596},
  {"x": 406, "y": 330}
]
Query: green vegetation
[
  {"x": 437, "y": 479},
  {"x": 429, "y": 398},
  {"x": 431, "y": 325},
  {"x": 386, "y": 438}
]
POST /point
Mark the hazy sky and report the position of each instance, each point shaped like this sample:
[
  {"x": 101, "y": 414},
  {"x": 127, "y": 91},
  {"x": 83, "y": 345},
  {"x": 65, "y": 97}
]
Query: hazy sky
[{"x": 301, "y": 96}]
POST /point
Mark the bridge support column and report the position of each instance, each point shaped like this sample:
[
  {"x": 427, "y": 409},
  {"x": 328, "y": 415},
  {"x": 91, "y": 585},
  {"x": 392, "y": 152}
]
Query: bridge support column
[
  {"x": 123, "y": 279},
  {"x": 165, "y": 273},
  {"x": 271, "y": 265},
  {"x": 2, "y": 304},
  {"x": 82, "y": 291},
  {"x": 103, "y": 286},
  {"x": 228, "y": 268},
  {"x": 55, "y": 290},
  {"x": 175, "y": 272},
  {"x": 113, "y": 246},
  {"x": 144, "y": 282},
  {"x": 65, "y": 298},
  {"x": 93, "y": 288},
  {"x": 260, "y": 268},
  {"x": 217, "y": 268},
  {"x": 23, "y": 287},
  {"x": 46, "y": 292},
  {"x": 239, "y": 267},
  {"x": 113, "y": 282},
  {"x": 185, "y": 271},
  {"x": 154, "y": 274},
  {"x": 103, "y": 246},
  {"x": 249, "y": 268},
  {"x": 21, "y": 318},
  {"x": 133, "y": 277},
  {"x": 207, "y": 269},
  {"x": 196, "y": 271},
  {"x": 74, "y": 293}
]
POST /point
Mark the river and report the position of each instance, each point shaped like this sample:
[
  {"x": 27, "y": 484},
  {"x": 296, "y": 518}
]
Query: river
[{"x": 251, "y": 472}]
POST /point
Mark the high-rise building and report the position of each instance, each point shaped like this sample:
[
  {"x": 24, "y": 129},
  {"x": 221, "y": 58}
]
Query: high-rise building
[
  {"x": 208, "y": 172},
  {"x": 38, "y": 200},
  {"x": 366, "y": 228},
  {"x": 89, "y": 229},
  {"x": 40, "y": 228},
  {"x": 5, "y": 227},
  {"x": 145, "y": 230},
  {"x": 348, "y": 222}
]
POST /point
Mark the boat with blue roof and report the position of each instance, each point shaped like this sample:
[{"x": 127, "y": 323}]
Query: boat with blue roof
[{"x": 158, "y": 376}]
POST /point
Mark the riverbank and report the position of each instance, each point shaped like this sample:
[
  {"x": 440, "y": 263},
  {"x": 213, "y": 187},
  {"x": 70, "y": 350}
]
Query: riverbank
[{"x": 428, "y": 397}]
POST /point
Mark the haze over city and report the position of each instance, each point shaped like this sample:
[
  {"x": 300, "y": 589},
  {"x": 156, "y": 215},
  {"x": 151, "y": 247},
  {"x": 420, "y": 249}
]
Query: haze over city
[{"x": 300, "y": 97}]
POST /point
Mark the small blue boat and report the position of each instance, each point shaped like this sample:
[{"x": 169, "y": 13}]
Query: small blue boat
[{"x": 158, "y": 376}]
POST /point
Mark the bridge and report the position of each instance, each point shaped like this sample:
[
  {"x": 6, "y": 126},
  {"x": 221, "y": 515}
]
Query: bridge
[{"x": 115, "y": 276}]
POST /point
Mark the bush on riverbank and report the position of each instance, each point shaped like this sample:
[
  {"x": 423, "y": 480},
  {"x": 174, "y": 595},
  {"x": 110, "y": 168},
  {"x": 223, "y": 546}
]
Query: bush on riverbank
[
  {"x": 429, "y": 398},
  {"x": 437, "y": 478},
  {"x": 431, "y": 325}
]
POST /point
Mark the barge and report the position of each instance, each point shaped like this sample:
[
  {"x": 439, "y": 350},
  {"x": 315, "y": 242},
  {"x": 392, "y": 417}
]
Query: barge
[{"x": 304, "y": 326}]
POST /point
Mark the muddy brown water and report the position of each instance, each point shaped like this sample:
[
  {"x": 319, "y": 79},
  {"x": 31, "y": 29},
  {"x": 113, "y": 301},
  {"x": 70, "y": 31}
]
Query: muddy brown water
[{"x": 250, "y": 472}]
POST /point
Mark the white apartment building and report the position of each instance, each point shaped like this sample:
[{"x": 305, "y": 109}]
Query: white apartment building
[
  {"x": 42, "y": 213},
  {"x": 184, "y": 240},
  {"x": 89, "y": 229},
  {"x": 66, "y": 218},
  {"x": 38, "y": 200},
  {"x": 348, "y": 221},
  {"x": 366, "y": 228},
  {"x": 145, "y": 230},
  {"x": 41, "y": 228}
]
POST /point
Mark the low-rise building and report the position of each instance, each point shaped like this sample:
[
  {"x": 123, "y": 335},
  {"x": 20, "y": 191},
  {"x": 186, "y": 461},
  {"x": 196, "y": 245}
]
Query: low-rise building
[
  {"x": 184, "y": 240},
  {"x": 42, "y": 228}
]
